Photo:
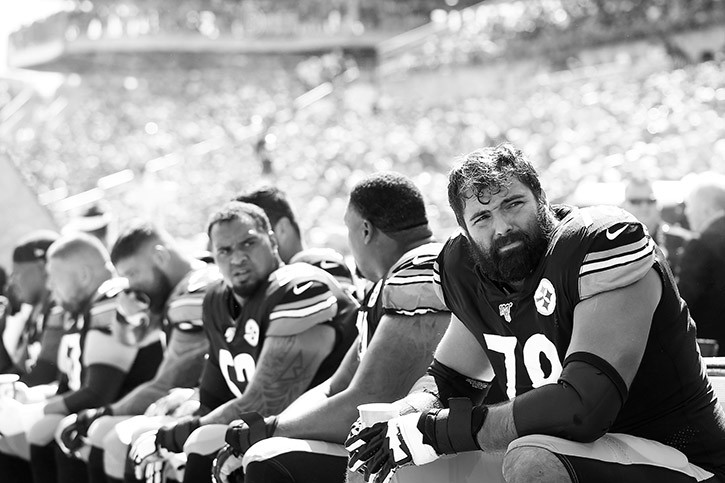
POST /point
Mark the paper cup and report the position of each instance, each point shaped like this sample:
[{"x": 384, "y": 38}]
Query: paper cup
[
  {"x": 376, "y": 413},
  {"x": 7, "y": 385}
]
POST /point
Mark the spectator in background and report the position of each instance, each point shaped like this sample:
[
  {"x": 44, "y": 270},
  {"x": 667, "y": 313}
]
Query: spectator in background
[
  {"x": 640, "y": 200},
  {"x": 702, "y": 267},
  {"x": 95, "y": 221}
]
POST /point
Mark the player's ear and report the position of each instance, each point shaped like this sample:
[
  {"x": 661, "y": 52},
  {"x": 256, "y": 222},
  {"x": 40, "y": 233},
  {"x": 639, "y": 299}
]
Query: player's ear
[
  {"x": 161, "y": 255},
  {"x": 368, "y": 231}
]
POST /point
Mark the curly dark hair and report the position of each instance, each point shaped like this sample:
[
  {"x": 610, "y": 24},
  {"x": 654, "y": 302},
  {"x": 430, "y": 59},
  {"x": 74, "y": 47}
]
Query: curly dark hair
[{"x": 487, "y": 172}]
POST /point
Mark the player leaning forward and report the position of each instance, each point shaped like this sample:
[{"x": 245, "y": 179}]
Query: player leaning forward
[{"x": 575, "y": 313}]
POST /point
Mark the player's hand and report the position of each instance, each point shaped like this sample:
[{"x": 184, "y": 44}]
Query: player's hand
[
  {"x": 226, "y": 465},
  {"x": 248, "y": 430},
  {"x": 145, "y": 456},
  {"x": 167, "y": 405},
  {"x": 378, "y": 451},
  {"x": 172, "y": 438},
  {"x": 72, "y": 437}
]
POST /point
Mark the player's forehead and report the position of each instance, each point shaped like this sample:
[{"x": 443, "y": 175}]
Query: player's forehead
[
  {"x": 235, "y": 230},
  {"x": 491, "y": 197}
]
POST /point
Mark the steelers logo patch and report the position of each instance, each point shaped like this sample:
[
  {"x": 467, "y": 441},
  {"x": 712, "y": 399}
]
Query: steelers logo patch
[
  {"x": 251, "y": 332},
  {"x": 545, "y": 297}
]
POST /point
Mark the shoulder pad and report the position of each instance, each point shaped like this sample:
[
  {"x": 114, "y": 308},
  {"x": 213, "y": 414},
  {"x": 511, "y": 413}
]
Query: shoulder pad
[
  {"x": 111, "y": 287},
  {"x": 409, "y": 286},
  {"x": 198, "y": 280},
  {"x": 617, "y": 249},
  {"x": 184, "y": 306},
  {"x": 304, "y": 298},
  {"x": 328, "y": 260}
]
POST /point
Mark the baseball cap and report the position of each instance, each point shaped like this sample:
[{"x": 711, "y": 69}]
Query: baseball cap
[{"x": 34, "y": 246}]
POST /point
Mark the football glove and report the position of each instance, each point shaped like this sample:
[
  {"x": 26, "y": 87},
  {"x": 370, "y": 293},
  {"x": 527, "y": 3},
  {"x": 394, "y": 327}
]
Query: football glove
[
  {"x": 248, "y": 430},
  {"x": 172, "y": 438},
  {"x": 378, "y": 451},
  {"x": 73, "y": 437},
  {"x": 146, "y": 458},
  {"x": 227, "y": 466},
  {"x": 415, "y": 439}
]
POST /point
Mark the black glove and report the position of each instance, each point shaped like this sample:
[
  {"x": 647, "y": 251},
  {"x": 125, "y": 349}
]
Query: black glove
[
  {"x": 72, "y": 437},
  {"x": 249, "y": 429},
  {"x": 172, "y": 438}
]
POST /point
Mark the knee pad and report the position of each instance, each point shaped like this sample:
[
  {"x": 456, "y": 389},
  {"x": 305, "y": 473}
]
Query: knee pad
[
  {"x": 206, "y": 440},
  {"x": 101, "y": 428}
]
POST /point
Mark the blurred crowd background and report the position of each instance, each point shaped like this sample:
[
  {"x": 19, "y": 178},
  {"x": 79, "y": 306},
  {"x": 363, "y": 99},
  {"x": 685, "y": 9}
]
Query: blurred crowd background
[{"x": 164, "y": 109}]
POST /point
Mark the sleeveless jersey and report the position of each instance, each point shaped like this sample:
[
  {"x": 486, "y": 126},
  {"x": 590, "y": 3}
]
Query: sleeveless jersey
[
  {"x": 407, "y": 289},
  {"x": 294, "y": 298},
  {"x": 526, "y": 334}
]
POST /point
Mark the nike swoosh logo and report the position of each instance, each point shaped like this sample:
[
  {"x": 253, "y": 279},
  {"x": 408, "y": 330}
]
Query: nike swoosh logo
[
  {"x": 325, "y": 265},
  {"x": 298, "y": 289},
  {"x": 611, "y": 235}
]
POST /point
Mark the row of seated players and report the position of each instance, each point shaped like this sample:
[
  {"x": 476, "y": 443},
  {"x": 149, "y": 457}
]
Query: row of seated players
[
  {"x": 403, "y": 313},
  {"x": 275, "y": 330}
]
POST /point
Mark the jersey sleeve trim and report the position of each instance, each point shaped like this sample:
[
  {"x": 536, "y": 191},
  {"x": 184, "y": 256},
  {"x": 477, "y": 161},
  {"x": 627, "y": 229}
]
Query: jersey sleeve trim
[
  {"x": 615, "y": 268},
  {"x": 297, "y": 320},
  {"x": 186, "y": 311}
]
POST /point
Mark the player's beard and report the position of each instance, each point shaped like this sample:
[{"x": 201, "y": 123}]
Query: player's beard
[
  {"x": 247, "y": 289},
  {"x": 517, "y": 263},
  {"x": 161, "y": 291}
]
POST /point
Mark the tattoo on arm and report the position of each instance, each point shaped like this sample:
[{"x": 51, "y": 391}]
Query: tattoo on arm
[{"x": 285, "y": 370}]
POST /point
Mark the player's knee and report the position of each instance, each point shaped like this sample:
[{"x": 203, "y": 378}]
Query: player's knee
[
  {"x": 206, "y": 440},
  {"x": 99, "y": 430},
  {"x": 527, "y": 463}
]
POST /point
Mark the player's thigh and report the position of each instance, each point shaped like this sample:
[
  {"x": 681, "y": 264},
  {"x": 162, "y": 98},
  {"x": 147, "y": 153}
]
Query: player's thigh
[
  {"x": 277, "y": 460},
  {"x": 42, "y": 432},
  {"x": 613, "y": 457}
]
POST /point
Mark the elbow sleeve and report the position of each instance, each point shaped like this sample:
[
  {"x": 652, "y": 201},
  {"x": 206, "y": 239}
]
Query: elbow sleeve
[{"x": 581, "y": 406}]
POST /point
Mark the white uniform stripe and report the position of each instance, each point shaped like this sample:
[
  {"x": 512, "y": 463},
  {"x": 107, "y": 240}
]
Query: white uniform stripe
[
  {"x": 303, "y": 312},
  {"x": 616, "y": 261},
  {"x": 594, "y": 256}
]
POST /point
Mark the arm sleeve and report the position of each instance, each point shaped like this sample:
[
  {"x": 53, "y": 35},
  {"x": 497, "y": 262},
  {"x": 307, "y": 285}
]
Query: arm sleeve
[
  {"x": 181, "y": 367},
  {"x": 106, "y": 361},
  {"x": 103, "y": 382}
]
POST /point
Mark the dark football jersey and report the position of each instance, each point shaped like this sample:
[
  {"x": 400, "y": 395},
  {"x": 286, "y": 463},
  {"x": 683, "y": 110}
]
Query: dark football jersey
[
  {"x": 295, "y": 298},
  {"x": 526, "y": 334},
  {"x": 407, "y": 289},
  {"x": 330, "y": 261},
  {"x": 29, "y": 344},
  {"x": 88, "y": 341}
]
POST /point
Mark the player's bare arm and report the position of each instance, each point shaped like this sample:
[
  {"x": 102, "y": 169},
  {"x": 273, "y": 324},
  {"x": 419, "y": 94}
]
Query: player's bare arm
[
  {"x": 316, "y": 396},
  {"x": 285, "y": 369},
  {"x": 398, "y": 354}
]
